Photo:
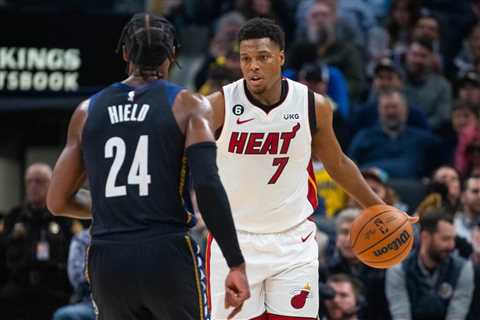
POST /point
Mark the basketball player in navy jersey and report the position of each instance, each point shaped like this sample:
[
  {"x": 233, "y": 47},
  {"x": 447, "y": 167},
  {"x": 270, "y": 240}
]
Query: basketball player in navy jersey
[
  {"x": 133, "y": 141},
  {"x": 269, "y": 129}
]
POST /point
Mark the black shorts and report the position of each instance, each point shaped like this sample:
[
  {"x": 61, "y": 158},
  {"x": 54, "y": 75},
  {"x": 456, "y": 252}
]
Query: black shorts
[{"x": 154, "y": 279}]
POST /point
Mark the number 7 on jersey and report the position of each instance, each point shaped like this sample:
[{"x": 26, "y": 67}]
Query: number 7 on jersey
[{"x": 281, "y": 163}]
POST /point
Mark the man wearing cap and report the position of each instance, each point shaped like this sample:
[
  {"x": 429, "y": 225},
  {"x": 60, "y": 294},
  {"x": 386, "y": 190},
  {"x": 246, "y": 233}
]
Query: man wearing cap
[
  {"x": 386, "y": 75},
  {"x": 430, "y": 91}
]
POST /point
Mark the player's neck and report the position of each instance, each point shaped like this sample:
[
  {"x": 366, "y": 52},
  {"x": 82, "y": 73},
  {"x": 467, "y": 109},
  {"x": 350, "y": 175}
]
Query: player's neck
[
  {"x": 136, "y": 80},
  {"x": 271, "y": 99},
  {"x": 138, "y": 77},
  {"x": 271, "y": 96}
]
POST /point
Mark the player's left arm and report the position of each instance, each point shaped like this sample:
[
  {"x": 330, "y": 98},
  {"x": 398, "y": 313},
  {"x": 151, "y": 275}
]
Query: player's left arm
[
  {"x": 65, "y": 198},
  {"x": 325, "y": 147}
]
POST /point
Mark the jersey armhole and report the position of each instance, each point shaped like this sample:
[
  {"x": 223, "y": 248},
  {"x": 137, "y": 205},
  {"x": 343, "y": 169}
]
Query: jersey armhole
[
  {"x": 219, "y": 131},
  {"x": 312, "y": 115}
]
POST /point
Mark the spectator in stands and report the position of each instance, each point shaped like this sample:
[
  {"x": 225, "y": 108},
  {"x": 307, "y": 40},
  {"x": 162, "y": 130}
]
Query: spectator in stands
[
  {"x": 224, "y": 41},
  {"x": 429, "y": 91},
  {"x": 466, "y": 220},
  {"x": 344, "y": 30},
  {"x": 450, "y": 178},
  {"x": 464, "y": 117},
  {"x": 467, "y": 152},
  {"x": 456, "y": 19},
  {"x": 323, "y": 44},
  {"x": 330, "y": 194},
  {"x": 386, "y": 76},
  {"x": 476, "y": 247},
  {"x": 81, "y": 307},
  {"x": 276, "y": 10},
  {"x": 469, "y": 88},
  {"x": 428, "y": 27},
  {"x": 475, "y": 306},
  {"x": 378, "y": 182},
  {"x": 465, "y": 61},
  {"x": 345, "y": 304},
  {"x": 342, "y": 260},
  {"x": 36, "y": 245},
  {"x": 328, "y": 81},
  {"x": 400, "y": 22},
  {"x": 393, "y": 146},
  {"x": 432, "y": 283},
  {"x": 220, "y": 73}
]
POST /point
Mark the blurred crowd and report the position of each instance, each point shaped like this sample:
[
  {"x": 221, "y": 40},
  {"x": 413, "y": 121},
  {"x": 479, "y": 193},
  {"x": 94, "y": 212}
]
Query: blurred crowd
[{"x": 403, "y": 77}]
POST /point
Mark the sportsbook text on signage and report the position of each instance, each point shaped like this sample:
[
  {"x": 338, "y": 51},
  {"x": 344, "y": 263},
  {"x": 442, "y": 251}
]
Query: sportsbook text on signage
[{"x": 39, "y": 69}]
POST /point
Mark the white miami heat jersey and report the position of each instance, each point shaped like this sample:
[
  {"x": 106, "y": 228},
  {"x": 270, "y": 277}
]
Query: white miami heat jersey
[{"x": 264, "y": 160}]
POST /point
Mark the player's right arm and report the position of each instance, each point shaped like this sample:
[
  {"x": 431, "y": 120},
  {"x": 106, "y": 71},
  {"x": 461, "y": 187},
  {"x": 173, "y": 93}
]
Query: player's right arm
[
  {"x": 65, "y": 198},
  {"x": 217, "y": 100},
  {"x": 342, "y": 169},
  {"x": 201, "y": 152}
]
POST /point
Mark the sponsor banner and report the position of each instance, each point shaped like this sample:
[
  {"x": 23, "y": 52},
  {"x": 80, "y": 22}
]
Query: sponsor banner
[{"x": 58, "y": 55}]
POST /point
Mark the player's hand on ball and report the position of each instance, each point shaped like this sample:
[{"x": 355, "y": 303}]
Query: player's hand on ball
[
  {"x": 236, "y": 289},
  {"x": 413, "y": 219}
]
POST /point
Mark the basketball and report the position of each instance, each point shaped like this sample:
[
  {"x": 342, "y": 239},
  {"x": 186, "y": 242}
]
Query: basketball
[{"x": 381, "y": 236}]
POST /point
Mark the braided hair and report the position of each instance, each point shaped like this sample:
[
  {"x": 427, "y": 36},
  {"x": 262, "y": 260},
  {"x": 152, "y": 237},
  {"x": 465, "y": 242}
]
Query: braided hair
[{"x": 148, "y": 40}]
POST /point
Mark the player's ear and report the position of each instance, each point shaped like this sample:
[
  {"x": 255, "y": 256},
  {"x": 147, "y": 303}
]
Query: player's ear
[
  {"x": 282, "y": 57},
  {"x": 124, "y": 54}
]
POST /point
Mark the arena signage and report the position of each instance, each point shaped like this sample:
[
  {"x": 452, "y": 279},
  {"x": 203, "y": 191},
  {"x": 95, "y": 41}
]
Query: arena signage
[
  {"x": 39, "y": 69},
  {"x": 56, "y": 60}
]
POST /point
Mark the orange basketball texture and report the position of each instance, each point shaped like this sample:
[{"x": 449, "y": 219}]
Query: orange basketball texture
[{"x": 381, "y": 236}]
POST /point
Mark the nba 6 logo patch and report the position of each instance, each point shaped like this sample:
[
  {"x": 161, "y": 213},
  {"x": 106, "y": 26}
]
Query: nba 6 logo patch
[
  {"x": 238, "y": 109},
  {"x": 300, "y": 297}
]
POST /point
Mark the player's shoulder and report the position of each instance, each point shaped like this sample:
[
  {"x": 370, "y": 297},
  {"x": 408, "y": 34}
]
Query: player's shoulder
[{"x": 192, "y": 103}]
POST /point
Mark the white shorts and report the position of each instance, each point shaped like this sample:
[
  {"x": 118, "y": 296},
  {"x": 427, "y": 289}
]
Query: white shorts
[{"x": 282, "y": 270}]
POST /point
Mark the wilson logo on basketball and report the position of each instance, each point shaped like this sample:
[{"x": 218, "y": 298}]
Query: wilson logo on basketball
[{"x": 394, "y": 245}]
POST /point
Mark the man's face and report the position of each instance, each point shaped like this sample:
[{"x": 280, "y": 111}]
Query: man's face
[
  {"x": 261, "y": 61},
  {"x": 344, "y": 304},
  {"x": 471, "y": 195},
  {"x": 392, "y": 112},
  {"x": 441, "y": 243},
  {"x": 400, "y": 13},
  {"x": 418, "y": 59},
  {"x": 385, "y": 79},
  {"x": 343, "y": 242},
  {"x": 320, "y": 23},
  {"x": 320, "y": 14},
  {"x": 427, "y": 27},
  {"x": 37, "y": 180},
  {"x": 450, "y": 178},
  {"x": 470, "y": 92},
  {"x": 462, "y": 118}
]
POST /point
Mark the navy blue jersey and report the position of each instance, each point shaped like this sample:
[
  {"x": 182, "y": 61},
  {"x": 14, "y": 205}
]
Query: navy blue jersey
[{"x": 133, "y": 151}]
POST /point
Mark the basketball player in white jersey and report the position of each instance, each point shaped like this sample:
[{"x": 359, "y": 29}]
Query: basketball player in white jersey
[{"x": 270, "y": 128}]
